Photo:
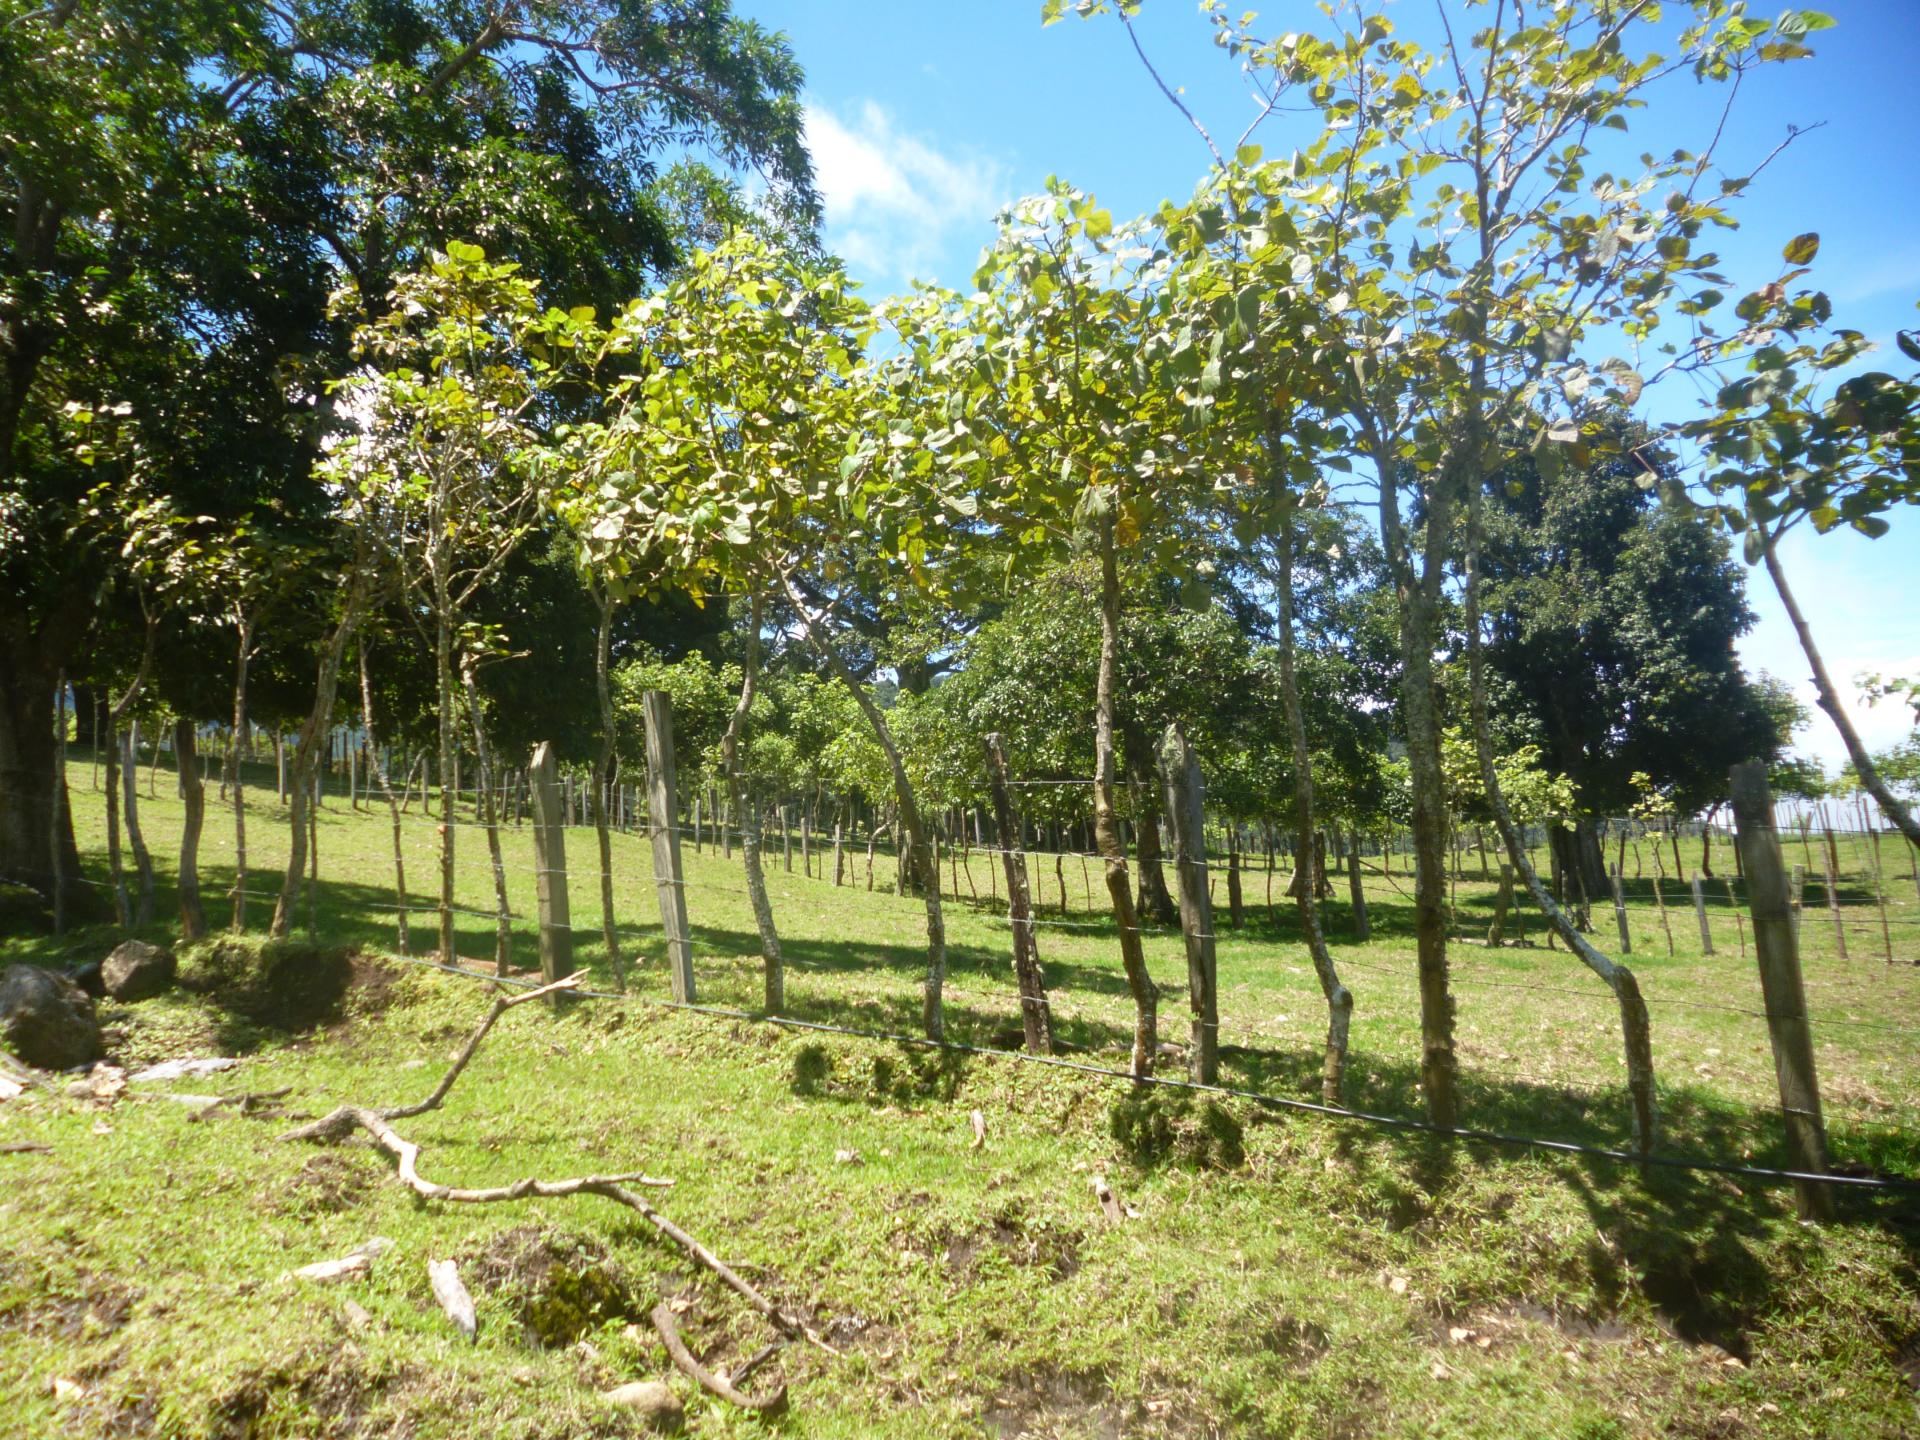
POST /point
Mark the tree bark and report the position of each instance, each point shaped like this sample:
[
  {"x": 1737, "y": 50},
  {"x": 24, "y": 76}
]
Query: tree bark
[
  {"x": 603, "y": 773},
  {"x": 32, "y": 818},
  {"x": 773, "y": 963},
  {"x": 489, "y": 816},
  {"x": 136, "y": 840},
  {"x": 1036, "y": 1015},
  {"x": 306, "y": 754},
  {"x": 1106, "y": 821},
  {"x": 1339, "y": 998},
  {"x": 1153, "y": 899},
  {"x": 933, "y": 1018},
  {"x": 235, "y": 777},
  {"x": 193, "y": 919},
  {"x": 393, "y": 805}
]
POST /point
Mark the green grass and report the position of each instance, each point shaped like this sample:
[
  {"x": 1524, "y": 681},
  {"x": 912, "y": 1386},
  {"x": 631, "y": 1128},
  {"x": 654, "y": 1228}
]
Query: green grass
[{"x": 1284, "y": 1275}]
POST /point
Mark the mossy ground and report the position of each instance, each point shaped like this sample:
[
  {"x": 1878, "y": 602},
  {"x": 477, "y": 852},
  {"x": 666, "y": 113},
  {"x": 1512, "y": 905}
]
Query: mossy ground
[{"x": 1278, "y": 1275}]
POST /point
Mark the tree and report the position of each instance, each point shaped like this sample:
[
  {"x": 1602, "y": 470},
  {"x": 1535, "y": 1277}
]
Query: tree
[
  {"x": 1611, "y": 622},
  {"x": 1788, "y": 453},
  {"x": 449, "y": 473},
  {"x": 182, "y": 187}
]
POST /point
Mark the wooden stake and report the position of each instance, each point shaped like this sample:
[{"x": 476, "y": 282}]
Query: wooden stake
[
  {"x": 1700, "y": 914},
  {"x": 668, "y": 878},
  {"x": 550, "y": 867},
  {"x": 1781, "y": 986},
  {"x": 1830, "y": 858},
  {"x": 1620, "y": 912}
]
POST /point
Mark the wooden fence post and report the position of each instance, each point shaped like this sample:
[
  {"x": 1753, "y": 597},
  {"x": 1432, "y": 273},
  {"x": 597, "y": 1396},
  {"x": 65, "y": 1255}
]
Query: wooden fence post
[
  {"x": 786, "y": 840},
  {"x": 1036, "y": 1016},
  {"x": 550, "y": 867},
  {"x": 1780, "y": 985},
  {"x": 1620, "y": 912},
  {"x": 662, "y": 812},
  {"x": 1829, "y": 858},
  {"x": 1700, "y": 914},
  {"x": 1185, "y": 818}
]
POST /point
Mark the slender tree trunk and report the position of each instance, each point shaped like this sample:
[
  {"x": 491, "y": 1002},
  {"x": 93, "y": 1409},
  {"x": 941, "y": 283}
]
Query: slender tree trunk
[
  {"x": 236, "y": 780},
  {"x": 489, "y": 817},
  {"x": 742, "y": 805},
  {"x": 1636, "y": 1029},
  {"x": 116, "y": 869},
  {"x": 933, "y": 1016},
  {"x": 136, "y": 841},
  {"x": 393, "y": 805},
  {"x": 1106, "y": 821},
  {"x": 1828, "y": 698},
  {"x": 193, "y": 920},
  {"x": 1339, "y": 998},
  {"x": 603, "y": 774},
  {"x": 1153, "y": 899},
  {"x": 59, "y": 837},
  {"x": 443, "y": 678},
  {"x": 1036, "y": 1015},
  {"x": 306, "y": 756}
]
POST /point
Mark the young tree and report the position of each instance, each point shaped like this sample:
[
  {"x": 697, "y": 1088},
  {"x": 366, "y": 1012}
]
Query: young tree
[{"x": 449, "y": 471}]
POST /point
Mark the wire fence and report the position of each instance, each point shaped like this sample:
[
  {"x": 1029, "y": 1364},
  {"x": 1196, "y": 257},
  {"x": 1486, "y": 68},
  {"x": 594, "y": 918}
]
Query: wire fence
[{"x": 1097, "y": 1010}]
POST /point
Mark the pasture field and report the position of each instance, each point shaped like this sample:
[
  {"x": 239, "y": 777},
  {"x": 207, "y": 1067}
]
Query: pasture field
[{"x": 1274, "y": 1273}]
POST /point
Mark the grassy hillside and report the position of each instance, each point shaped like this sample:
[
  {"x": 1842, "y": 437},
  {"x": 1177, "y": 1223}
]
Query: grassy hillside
[{"x": 1276, "y": 1274}]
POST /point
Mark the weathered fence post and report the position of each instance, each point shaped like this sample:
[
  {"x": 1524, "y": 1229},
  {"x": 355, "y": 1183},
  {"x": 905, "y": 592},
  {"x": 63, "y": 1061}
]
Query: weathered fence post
[
  {"x": 1700, "y": 914},
  {"x": 1036, "y": 1016},
  {"x": 1620, "y": 912},
  {"x": 550, "y": 867},
  {"x": 786, "y": 840},
  {"x": 1185, "y": 818},
  {"x": 1829, "y": 858},
  {"x": 662, "y": 812},
  {"x": 1780, "y": 985}
]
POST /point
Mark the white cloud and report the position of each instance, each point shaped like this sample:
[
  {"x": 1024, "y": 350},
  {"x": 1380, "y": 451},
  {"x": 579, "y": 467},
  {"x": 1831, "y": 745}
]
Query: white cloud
[{"x": 894, "y": 201}]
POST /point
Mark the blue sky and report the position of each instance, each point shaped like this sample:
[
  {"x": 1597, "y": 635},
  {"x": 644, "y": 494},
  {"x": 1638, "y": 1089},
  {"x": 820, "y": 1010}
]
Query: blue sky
[{"x": 925, "y": 118}]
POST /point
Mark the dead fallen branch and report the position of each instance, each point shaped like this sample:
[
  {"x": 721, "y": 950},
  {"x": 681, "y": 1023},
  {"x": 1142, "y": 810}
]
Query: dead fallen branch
[
  {"x": 451, "y": 1291},
  {"x": 251, "y": 1102},
  {"x": 345, "y": 1119},
  {"x": 772, "y": 1403}
]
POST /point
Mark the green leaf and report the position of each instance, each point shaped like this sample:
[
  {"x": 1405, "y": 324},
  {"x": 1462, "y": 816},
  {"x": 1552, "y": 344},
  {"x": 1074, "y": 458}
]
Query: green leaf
[{"x": 1802, "y": 248}]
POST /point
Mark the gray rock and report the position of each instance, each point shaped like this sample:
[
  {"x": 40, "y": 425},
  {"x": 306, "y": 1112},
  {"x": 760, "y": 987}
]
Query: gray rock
[
  {"x": 137, "y": 971},
  {"x": 656, "y": 1406},
  {"x": 46, "y": 1019}
]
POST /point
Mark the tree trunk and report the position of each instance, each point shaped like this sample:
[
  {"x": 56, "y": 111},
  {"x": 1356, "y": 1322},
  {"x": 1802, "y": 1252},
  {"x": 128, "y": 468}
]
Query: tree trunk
[
  {"x": 1153, "y": 900},
  {"x": 1339, "y": 999},
  {"x": 773, "y": 963},
  {"x": 1106, "y": 821},
  {"x": 483, "y": 756},
  {"x": 59, "y": 836},
  {"x": 933, "y": 1018},
  {"x": 603, "y": 774},
  {"x": 306, "y": 755},
  {"x": 136, "y": 841},
  {"x": 1635, "y": 1026},
  {"x": 193, "y": 920},
  {"x": 443, "y": 690},
  {"x": 116, "y": 870},
  {"x": 393, "y": 806},
  {"x": 1036, "y": 1015},
  {"x": 235, "y": 778},
  {"x": 1186, "y": 823}
]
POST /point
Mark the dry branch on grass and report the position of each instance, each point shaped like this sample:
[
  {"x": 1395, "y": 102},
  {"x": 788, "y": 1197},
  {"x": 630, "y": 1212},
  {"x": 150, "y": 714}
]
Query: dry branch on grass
[
  {"x": 773, "y": 1402},
  {"x": 341, "y": 1122}
]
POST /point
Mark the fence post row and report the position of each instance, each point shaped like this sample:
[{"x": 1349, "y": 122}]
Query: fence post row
[
  {"x": 550, "y": 867},
  {"x": 1777, "y": 945},
  {"x": 668, "y": 878}
]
